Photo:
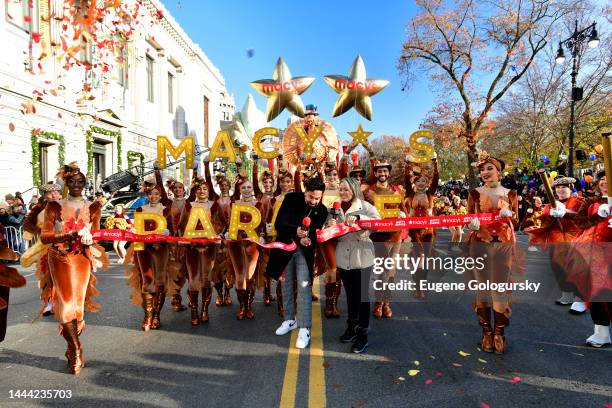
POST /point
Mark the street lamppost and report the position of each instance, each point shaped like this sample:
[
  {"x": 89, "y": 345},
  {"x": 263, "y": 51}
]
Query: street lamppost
[{"x": 574, "y": 44}]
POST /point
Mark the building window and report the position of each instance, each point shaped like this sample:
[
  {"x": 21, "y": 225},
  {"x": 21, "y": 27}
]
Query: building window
[
  {"x": 99, "y": 164},
  {"x": 170, "y": 93},
  {"x": 44, "y": 162},
  {"x": 150, "y": 79},
  {"x": 21, "y": 13},
  {"x": 122, "y": 66}
]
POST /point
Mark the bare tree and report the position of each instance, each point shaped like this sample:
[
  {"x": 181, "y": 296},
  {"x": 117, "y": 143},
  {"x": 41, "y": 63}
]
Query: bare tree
[{"x": 475, "y": 50}]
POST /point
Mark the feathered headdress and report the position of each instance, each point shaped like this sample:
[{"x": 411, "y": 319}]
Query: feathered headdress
[
  {"x": 68, "y": 171},
  {"x": 282, "y": 173},
  {"x": 329, "y": 167},
  {"x": 266, "y": 175},
  {"x": 484, "y": 158},
  {"x": 199, "y": 181}
]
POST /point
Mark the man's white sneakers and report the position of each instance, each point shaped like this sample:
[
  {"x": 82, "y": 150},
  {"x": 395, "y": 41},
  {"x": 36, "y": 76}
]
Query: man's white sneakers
[
  {"x": 303, "y": 338},
  {"x": 286, "y": 327},
  {"x": 601, "y": 337}
]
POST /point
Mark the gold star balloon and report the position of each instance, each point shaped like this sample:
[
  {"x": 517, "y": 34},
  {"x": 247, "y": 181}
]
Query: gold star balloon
[
  {"x": 283, "y": 91},
  {"x": 359, "y": 136},
  {"x": 355, "y": 90}
]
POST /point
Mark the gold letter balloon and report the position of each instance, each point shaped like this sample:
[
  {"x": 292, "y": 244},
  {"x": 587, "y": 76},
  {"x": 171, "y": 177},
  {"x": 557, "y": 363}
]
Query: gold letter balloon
[
  {"x": 421, "y": 152},
  {"x": 165, "y": 146},
  {"x": 248, "y": 227},
  {"x": 140, "y": 218}
]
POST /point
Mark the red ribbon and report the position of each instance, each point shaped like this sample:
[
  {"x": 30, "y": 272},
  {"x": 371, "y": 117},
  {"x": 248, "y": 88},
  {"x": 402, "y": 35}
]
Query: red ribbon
[
  {"x": 405, "y": 223},
  {"x": 123, "y": 235}
]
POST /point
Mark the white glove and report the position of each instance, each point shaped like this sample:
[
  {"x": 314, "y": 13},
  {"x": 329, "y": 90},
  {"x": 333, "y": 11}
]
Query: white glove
[
  {"x": 434, "y": 156},
  {"x": 610, "y": 223},
  {"x": 603, "y": 211},
  {"x": 474, "y": 224},
  {"x": 558, "y": 212},
  {"x": 224, "y": 235},
  {"x": 269, "y": 228},
  {"x": 86, "y": 238},
  {"x": 157, "y": 165},
  {"x": 402, "y": 214},
  {"x": 505, "y": 213},
  {"x": 529, "y": 210},
  {"x": 166, "y": 232},
  {"x": 262, "y": 240}
]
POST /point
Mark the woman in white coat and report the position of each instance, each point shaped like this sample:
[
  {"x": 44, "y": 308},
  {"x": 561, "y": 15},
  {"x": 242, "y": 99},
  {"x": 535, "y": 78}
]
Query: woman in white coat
[{"x": 355, "y": 259}]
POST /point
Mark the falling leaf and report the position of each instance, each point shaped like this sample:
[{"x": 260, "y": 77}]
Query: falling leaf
[
  {"x": 337, "y": 386},
  {"x": 484, "y": 405},
  {"x": 463, "y": 353},
  {"x": 515, "y": 380},
  {"x": 412, "y": 373},
  {"x": 28, "y": 107},
  {"x": 457, "y": 365},
  {"x": 401, "y": 379},
  {"x": 27, "y": 19},
  {"x": 36, "y": 37},
  {"x": 59, "y": 115},
  {"x": 326, "y": 365},
  {"x": 439, "y": 374},
  {"x": 36, "y": 131},
  {"x": 417, "y": 363},
  {"x": 428, "y": 381},
  {"x": 483, "y": 361},
  {"x": 359, "y": 403},
  {"x": 11, "y": 127}
]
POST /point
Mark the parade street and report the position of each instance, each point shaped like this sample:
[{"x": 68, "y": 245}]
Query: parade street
[{"x": 230, "y": 363}]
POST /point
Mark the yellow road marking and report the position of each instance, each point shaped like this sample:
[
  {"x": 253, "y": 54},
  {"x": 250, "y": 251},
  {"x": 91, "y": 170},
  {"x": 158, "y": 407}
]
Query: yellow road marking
[
  {"x": 291, "y": 374},
  {"x": 316, "y": 382}
]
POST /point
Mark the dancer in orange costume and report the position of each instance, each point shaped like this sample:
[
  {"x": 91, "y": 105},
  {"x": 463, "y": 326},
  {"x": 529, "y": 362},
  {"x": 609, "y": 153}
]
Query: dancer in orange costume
[
  {"x": 200, "y": 258},
  {"x": 497, "y": 243},
  {"x": 327, "y": 250},
  {"x": 222, "y": 275},
  {"x": 177, "y": 269},
  {"x": 266, "y": 199},
  {"x": 148, "y": 277},
  {"x": 456, "y": 208},
  {"x": 32, "y": 226},
  {"x": 419, "y": 202},
  {"x": 72, "y": 259},
  {"x": 244, "y": 254}
]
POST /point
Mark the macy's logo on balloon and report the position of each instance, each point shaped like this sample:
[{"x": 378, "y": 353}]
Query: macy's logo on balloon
[
  {"x": 358, "y": 85},
  {"x": 283, "y": 86}
]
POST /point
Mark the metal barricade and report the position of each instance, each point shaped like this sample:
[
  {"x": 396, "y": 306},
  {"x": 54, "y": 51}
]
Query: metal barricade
[{"x": 14, "y": 238}]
